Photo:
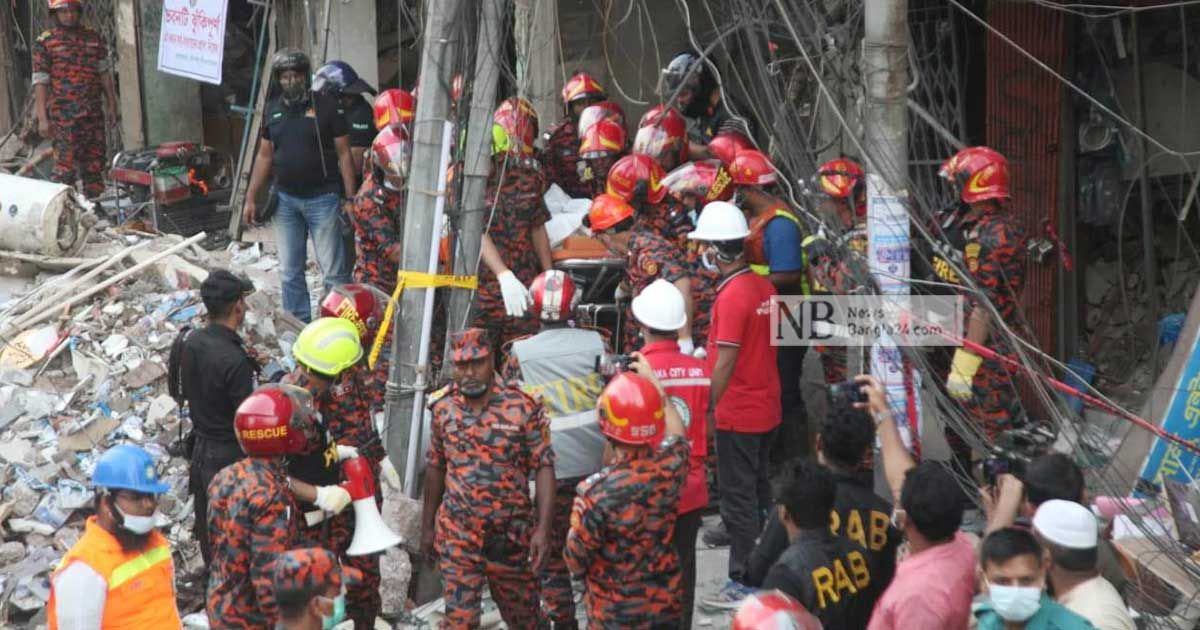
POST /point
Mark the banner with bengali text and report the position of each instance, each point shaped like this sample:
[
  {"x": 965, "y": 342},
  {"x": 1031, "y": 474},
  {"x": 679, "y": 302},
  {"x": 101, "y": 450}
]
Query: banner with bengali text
[{"x": 192, "y": 39}]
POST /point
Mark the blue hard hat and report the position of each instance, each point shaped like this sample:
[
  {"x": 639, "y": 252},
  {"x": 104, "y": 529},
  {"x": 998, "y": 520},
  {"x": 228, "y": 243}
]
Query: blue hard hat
[
  {"x": 128, "y": 467},
  {"x": 339, "y": 77}
]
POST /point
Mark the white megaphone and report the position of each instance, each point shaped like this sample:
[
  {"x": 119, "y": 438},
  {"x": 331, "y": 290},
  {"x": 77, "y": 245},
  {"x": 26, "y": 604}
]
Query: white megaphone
[{"x": 371, "y": 535}]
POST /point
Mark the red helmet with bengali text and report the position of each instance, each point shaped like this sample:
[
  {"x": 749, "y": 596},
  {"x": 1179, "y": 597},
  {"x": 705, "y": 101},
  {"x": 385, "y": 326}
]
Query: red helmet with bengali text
[
  {"x": 606, "y": 138},
  {"x": 581, "y": 86},
  {"x": 362, "y": 304},
  {"x": 554, "y": 295},
  {"x": 276, "y": 420},
  {"x": 726, "y": 146},
  {"x": 636, "y": 177},
  {"x": 604, "y": 110},
  {"x": 979, "y": 173},
  {"x": 631, "y": 411},
  {"x": 706, "y": 180},
  {"x": 394, "y": 107},
  {"x": 752, "y": 168},
  {"x": 773, "y": 610}
]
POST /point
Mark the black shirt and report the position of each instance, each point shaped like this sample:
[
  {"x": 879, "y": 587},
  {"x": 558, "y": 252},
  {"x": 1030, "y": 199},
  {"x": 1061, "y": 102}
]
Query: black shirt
[
  {"x": 829, "y": 575},
  {"x": 360, "y": 119},
  {"x": 297, "y": 160},
  {"x": 217, "y": 375}
]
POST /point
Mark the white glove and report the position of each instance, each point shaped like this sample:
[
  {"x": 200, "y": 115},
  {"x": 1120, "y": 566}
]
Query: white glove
[
  {"x": 346, "y": 452},
  {"x": 332, "y": 498},
  {"x": 516, "y": 296},
  {"x": 389, "y": 474},
  {"x": 700, "y": 353},
  {"x": 619, "y": 293},
  {"x": 686, "y": 346}
]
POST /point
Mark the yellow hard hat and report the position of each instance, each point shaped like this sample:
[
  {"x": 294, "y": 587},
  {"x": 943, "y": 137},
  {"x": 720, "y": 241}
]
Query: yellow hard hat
[{"x": 328, "y": 346}]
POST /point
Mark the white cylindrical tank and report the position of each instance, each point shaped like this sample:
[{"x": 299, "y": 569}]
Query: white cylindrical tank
[{"x": 40, "y": 217}]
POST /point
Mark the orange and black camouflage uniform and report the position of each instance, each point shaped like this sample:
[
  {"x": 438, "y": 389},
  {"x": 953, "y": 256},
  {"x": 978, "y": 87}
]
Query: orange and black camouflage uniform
[
  {"x": 519, "y": 210},
  {"x": 837, "y": 268},
  {"x": 650, "y": 257},
  {"x": 486, "y": 518},
  {"x": 348, "y": 414},
  {"x": 620, "y": 540},
  {"x": 561, "y": 157},
  {"x": 378, "y": 218},
  {"x": 667, "y": 220},
  {"x": 595, "y": 174},
  {"x": 71, "y": 63},
  {"x": 251, "y": 518}
]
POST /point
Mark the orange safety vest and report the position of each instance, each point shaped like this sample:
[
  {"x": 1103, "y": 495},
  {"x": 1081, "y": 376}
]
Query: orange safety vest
[
  {"x": 756, "y": 252},
  {"x": 141, "y": 585}
]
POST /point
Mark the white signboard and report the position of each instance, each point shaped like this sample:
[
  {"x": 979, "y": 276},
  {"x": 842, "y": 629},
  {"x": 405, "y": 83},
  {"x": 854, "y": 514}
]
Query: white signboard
[{"x": 191, "y": 41}]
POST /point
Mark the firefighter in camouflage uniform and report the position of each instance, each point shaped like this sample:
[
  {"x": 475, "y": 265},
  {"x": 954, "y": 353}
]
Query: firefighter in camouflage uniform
[
  {"x": 515, "y": 248},
  {"x": 599, "y": 148},
  {"x": 663, "y": 138},
  {"x": 71, "y": 69},
  {"x": 487, "y": 439},
  {"x": 985, "y": 242},
  {"x": 624, "y": 516},
  {"x": 378, "y": 211},
  {"x": 561, "y": 153}
]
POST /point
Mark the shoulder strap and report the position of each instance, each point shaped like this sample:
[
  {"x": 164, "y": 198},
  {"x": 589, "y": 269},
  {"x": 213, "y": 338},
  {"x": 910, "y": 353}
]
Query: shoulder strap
[{"x": 175, "y": 366}]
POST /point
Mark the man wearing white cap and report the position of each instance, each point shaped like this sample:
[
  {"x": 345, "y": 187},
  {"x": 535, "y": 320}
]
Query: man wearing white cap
[{"x": 1070, "y": 534}]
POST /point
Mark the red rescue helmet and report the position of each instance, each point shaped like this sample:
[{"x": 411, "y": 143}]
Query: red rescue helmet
[
  {"x": 606, "y": 211},
  {"x": 636, "y": 177},
  {"x": 773, "y": 610},
  {"x": 362, "y": 304},
  {"x": 725, "y": 146},
  {"x": 606, "y": 138},
  {"x": 662, "y": 134},
  {"x": 631, "y": 410},
  {"x": 514, "y": 127},
  {"x": 392, "y": 151},
  {"x": 581, "y": 86},
  {"x": 843, "y": 178},
  {"x": 276, "y": 420},
  {"x": 980, "y": 173},
  {"x": 394, "y": 107},
  {"x": 554, "y": 295},
  {"x": 707, "y": 180},
  {"x": 456, "y": 88},
  {"x": 604, "y": 110},
  {"x": 62, "y": 4},
  {"x": 751, "y": 167}
]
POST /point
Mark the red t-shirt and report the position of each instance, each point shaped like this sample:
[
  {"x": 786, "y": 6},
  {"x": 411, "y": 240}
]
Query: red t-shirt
[
  {"x": 741, "y": 316},
  {"x": 686, "y": 382}
]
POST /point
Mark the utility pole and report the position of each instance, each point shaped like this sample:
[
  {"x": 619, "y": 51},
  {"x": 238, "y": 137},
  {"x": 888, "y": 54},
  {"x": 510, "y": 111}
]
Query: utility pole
[
  {"x": 407, "y": 378},
  {"x": 474, "y": 213}
]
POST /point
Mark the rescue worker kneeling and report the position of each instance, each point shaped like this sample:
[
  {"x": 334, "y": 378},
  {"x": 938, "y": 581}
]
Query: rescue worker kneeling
[
  {"x": 624, "y": 516},
  {"x": 487, "y": 438},
  {"x": 119, "y": 574}
]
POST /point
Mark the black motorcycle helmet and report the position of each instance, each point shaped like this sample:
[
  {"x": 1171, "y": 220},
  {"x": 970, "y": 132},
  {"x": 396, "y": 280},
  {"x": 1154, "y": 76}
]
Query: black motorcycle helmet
[{"x": 696, "y": 78}]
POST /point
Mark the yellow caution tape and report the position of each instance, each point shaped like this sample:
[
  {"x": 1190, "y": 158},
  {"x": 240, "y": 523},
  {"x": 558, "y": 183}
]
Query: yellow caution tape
[{"x": 415, "y": 280}]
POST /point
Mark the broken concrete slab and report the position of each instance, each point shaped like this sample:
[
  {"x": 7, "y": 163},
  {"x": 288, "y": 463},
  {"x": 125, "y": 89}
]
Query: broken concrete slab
[
  {"x": 89, "y": 436},
  {"x": 26, "y": 526},
  {"x": 17, "y": 451},
  {"x": 146, "y": 372}
]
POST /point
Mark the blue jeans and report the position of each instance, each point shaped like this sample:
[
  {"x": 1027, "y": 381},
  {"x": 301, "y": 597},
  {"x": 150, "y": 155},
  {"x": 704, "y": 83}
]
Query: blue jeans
[{"x": 297, "y": 219}]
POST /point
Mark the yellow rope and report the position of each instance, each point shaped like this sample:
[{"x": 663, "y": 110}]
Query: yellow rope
[{"x": 415, "y": 280}]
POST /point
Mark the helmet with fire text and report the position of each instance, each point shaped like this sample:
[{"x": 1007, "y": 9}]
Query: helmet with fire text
[
  {"x": 773, "y": 610},
  {"x": 394, "y": 107},
  {"x": 979, "y": 174},
  {"x": 604, "y": 110},
  {"x": 277, "y": 420},
  {"x": 582, "y": 87},
  {"x": 662, "y": 134},
  {"x": 361, "y": 304},
  {"x": 554, "y": 295},
  {"x": 514, "y": 127},
  {"x": 702, "y": 180},
  {"x": 726, "y": 146},
  {"x": 637, "y": 179},
  {"x": 752, "y": 168},
  {"x": 631, "y": 410},
  {"x": 392, "y": 152},
  {"x": 604, "y": 139}
]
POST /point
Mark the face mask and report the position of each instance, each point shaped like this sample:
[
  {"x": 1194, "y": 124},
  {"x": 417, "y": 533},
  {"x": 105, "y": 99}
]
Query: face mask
[
  {"x": 1015, "y": 603},
  {"x": 706, "y": 261},
  {"x": 135, "y": 524},
  {"x": 339, "y": 613}
]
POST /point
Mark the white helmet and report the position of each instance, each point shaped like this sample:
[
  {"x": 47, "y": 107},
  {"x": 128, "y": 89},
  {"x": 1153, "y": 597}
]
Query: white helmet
[
  {"x": 720, "y": 221},
  {"x": 660, "y": 306}
]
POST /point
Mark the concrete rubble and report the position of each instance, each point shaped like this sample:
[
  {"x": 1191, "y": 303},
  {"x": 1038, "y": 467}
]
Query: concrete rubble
[{"x": 92, "y": 375}]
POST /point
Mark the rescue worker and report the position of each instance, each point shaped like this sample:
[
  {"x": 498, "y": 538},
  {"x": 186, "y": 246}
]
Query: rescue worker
[
  {"x": 604, "y": 110},
  {"x": 311, "y": 588},
  {"x": 726, "y": 145},
  {"x": 338, "y": 79},
  {"x": 659, "y": 311},
  {"x": 252, "y": 509},
  {"x": 305, "y": 147},
  {"x": 662, "y": 135},
  {"x": 986, "y": 242},
  {"x": 745, "y": 396},
  {"x": 599, "y": 149},
  {"x": 774, "y": 610},
  {"x": 394, "y": 108},
  {"x": 647, "y": 257},
  {"x": 558, "y": 367},
  {"x": 487, "y": 439},
  {"x": 119, "y": 574},
  {"x": 774, "y": 249},
  {"x": 350, "y": 412},
  {"x": 71, "y": 70},
  {"x": 515, "y": 247},
  {"x": 624, "y": 515},
  {"x": 561, "y": 153},
  {"x": 377, "y": 214},
  {"x": 637, "y": 179},
  {"x": 693, "y": 185},
  {"x": 697, "y": 94}
]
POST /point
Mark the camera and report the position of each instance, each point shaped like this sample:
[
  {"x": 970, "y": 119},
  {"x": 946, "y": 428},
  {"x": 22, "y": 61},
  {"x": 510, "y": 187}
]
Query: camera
[
  {"x": 612, "y": 364},
  {"x": 1002, "y": 464},
  {"x": 1014, "y": 449},
  {"x": 843, "y": 395}
]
